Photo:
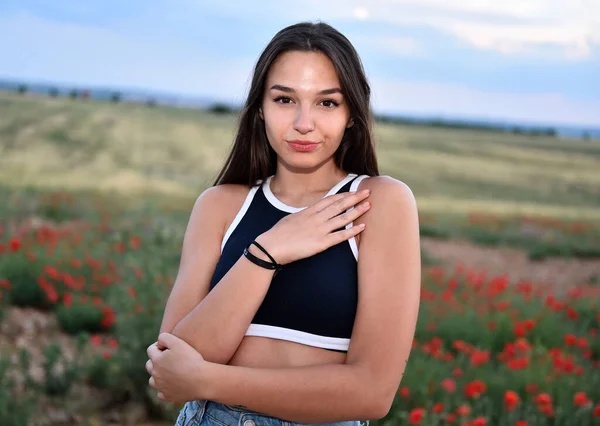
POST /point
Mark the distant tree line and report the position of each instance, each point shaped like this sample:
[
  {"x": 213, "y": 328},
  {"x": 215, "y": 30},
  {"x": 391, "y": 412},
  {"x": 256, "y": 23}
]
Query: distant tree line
[
  {"x": 456, "y": 124},
  {"x": 221, "y": 108},
  {"x": 74, "y": 93}
]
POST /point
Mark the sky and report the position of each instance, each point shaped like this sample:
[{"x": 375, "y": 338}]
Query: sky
[{"x": 528, "y": 61}]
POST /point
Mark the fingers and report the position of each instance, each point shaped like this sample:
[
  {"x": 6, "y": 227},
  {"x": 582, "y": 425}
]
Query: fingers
[
  {"x": 322, "y": 204},
  {"x": 340, "y": 205},
  {"x": 149, "y": 366},
  {"x": 340, "y": 236},
  {"x": 167, "y": 340},
  {"x": 153, "y": 351},
  {"x": 152, "y": 382},
  {"x": 345, "y": 218}
]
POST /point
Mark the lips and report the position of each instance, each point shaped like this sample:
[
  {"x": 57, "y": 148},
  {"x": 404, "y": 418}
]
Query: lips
[{"x": 302, "y": 146}]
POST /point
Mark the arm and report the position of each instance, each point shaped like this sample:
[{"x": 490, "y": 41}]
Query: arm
[
  {"x": 214, "y": 323},
  {"x": 389, "y": 271}
]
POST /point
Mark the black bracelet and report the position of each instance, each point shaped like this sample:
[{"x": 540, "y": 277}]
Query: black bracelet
[
  {"x": 265, "y": 252},
  {"x": 262, "y": 263}
]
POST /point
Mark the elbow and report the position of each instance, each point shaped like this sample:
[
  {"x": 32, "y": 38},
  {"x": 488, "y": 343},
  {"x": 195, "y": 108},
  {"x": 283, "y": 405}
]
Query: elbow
[
  {"x": 374, "y": 394},
  {"x": 379, "y": 409},
  {"x": 210, "y": 352},
  {"x": 381, "y": 403}
]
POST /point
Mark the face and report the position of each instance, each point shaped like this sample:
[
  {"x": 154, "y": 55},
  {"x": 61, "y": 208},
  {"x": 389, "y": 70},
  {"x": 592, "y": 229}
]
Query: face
[{"x": 304, "y": 111}]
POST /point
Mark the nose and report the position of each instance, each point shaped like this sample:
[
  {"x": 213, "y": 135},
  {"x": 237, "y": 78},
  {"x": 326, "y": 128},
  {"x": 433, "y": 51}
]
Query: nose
[{"x": 304, "y": 122}]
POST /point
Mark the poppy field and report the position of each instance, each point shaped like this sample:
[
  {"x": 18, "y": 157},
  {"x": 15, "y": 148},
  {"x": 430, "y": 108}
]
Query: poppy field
[
  {"x": 487, "y": 351},
  {"x": 85, "y": 271}
]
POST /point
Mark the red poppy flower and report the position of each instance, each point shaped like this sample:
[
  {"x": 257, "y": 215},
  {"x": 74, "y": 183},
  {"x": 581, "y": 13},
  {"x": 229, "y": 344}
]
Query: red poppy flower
[
  {"x": 14, "y": 244},
  {"x": 580, "y": 399},
  {"x": 415, "y": 416},
  {"x": 448, "y": 385},
  {"x": 463, "y": 410},
  {"x": 511, "y": 400}
]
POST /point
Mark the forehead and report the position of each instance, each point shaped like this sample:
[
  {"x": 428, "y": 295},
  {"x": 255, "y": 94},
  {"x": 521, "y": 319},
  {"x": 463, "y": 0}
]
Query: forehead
[{"x": 303, "y": 70}]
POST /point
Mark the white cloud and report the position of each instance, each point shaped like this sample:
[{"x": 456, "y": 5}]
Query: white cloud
[
  {"x": 448, "y": 100},
  {"x": 361, "y": 13},
  {"x": 573, "y": 41},
  {"x": 512, "y": 26},
  {"x": 570, "y": 27}
]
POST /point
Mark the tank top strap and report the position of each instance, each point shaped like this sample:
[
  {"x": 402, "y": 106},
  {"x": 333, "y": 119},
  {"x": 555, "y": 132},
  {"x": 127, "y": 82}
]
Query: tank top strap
[{"x": 352, "y": 184}]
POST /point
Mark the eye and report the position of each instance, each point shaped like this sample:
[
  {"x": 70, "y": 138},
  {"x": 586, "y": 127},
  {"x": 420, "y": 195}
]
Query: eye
[
  {"x": 282, "y": 100},
  {"x": 329, "y": 103}
]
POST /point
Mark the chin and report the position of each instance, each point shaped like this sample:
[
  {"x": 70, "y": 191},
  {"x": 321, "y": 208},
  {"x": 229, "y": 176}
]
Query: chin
[{"x": 305, "y": 162}]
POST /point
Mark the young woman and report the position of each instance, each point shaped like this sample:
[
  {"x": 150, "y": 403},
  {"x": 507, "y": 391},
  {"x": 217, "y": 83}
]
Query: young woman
[{"x": 274, "y": 318}]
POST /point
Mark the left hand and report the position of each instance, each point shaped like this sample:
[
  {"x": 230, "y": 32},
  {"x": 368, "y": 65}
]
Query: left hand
[{"x": 177, "y": 369}]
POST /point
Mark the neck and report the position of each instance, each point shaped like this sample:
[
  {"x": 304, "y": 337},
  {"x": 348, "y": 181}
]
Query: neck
[{"x": 300, "y": 186}]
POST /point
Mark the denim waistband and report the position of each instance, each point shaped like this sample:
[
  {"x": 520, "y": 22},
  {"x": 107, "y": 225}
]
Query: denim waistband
[{"x": 210, "y": 413}]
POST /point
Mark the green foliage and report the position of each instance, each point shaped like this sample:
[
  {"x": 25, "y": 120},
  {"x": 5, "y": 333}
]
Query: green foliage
[
  {"x": 59, "y": 381},
  {"x": 23, "y": 273},
  {"x": 550, "y": 242},
  {"x": 427, "y": 259},
  {"x": 220, "y": 108},
  {"x": 572, "y": 249},
  {"x": 58, "y": 207},
  {"x": 138, "y": 328},
  {"x": 434, "y": 231},
  {"x": 80, "y": 317},
  {"x": 102, "y": 373},
  {"x": 60, "y": 373},
  {"x": 16, "y": 406}
]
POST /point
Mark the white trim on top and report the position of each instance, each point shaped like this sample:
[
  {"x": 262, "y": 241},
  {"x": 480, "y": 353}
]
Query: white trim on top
[
  {"x": 284, "y": 207},
  {"x": 309, "y": 339},
  {"x": 352, "y": 241},
  {"x": 240, "y": 214}
]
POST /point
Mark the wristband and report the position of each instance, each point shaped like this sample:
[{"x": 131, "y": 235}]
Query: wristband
[{"x": 273, "y": 265}]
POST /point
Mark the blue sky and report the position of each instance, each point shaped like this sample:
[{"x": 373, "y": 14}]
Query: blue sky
[{"x": 519, "y": 60}]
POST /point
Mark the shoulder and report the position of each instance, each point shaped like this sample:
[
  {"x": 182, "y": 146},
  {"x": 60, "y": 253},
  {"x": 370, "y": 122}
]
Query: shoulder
[
  {"x": 389, "y": 192},
  {"x": 393, "y": 206},
  {"x": 223, "y": 194},
  {"x": 221, "y": 203}
]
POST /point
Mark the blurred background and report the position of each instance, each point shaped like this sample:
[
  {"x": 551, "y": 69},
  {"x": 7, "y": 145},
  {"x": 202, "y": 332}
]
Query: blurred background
[{"x": 115, "y": 116}]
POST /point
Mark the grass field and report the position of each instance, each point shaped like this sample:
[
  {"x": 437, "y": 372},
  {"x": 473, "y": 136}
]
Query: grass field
[
  {"x": 59, "y": 143},
  {"x": 94, "y": 202}
]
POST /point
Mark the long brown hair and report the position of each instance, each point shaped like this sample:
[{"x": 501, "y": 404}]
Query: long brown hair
[{"x": 252, "y": 158}]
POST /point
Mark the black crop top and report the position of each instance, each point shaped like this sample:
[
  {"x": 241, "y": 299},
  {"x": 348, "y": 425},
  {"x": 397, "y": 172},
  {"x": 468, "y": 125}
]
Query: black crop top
[{"x": 310, "y": 301}]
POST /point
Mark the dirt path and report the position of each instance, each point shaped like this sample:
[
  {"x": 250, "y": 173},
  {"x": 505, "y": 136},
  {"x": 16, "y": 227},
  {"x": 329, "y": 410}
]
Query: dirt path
[{"x": 562, "y": 272}]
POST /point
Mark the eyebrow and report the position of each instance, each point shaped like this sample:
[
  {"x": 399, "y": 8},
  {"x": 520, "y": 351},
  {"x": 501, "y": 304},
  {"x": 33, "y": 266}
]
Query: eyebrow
[{"x": 290, "y": 90}]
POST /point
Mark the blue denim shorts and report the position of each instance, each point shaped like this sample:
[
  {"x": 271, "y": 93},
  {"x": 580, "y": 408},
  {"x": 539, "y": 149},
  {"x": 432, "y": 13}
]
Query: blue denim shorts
[{"x": 210, "y": 413}]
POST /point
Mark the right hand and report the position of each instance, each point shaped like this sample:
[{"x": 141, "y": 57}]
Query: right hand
[{"x": 310, "y": 231}]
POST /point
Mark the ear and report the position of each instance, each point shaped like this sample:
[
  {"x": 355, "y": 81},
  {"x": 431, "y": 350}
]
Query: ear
[
  {"x": 260, "y": 114},
  {"x": 350, "y": 123}
]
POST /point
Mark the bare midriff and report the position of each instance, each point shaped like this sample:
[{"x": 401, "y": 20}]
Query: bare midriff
[{"x": 265, "y": 352}]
